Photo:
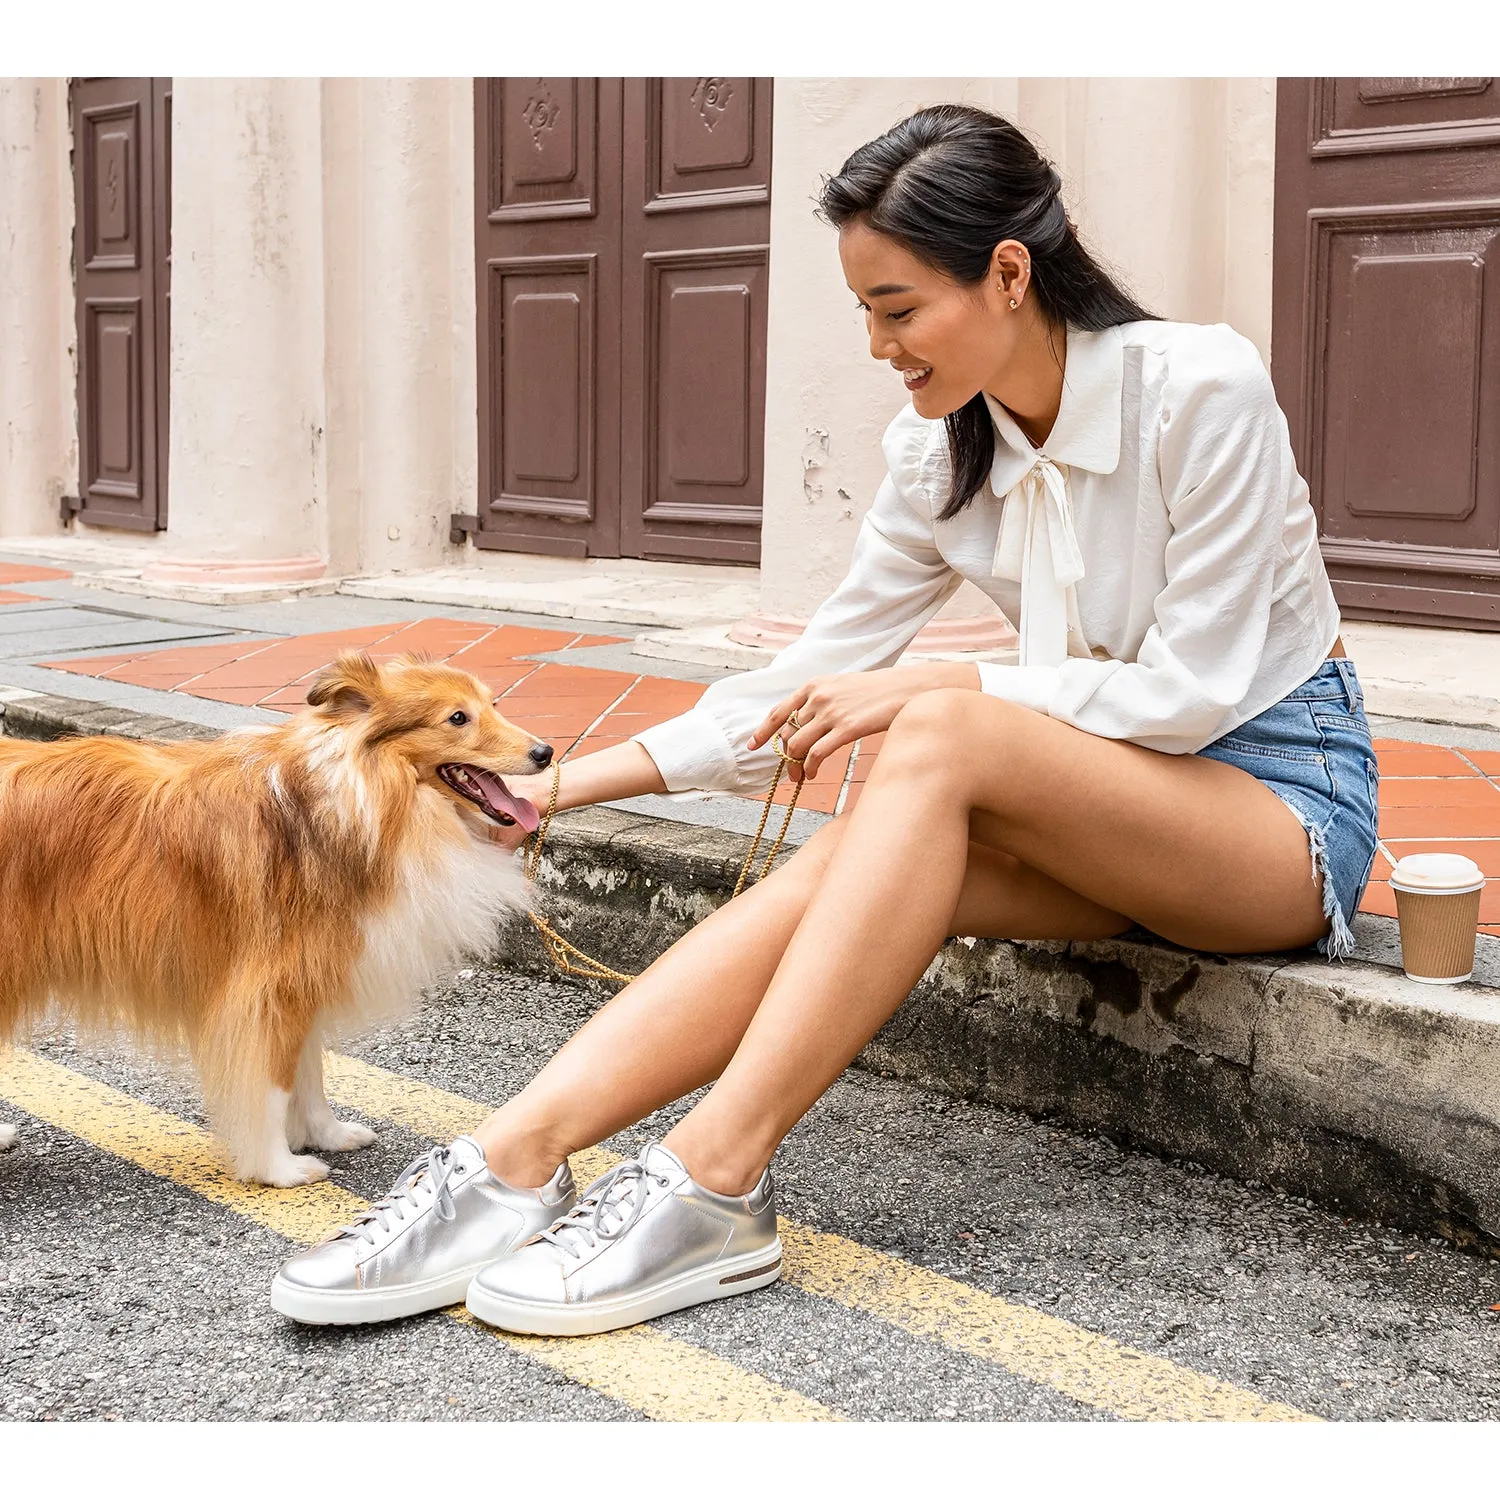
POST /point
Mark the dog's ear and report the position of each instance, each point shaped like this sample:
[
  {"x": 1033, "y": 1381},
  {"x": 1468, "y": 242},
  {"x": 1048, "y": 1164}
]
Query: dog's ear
[{"x": 348, "y": 684}]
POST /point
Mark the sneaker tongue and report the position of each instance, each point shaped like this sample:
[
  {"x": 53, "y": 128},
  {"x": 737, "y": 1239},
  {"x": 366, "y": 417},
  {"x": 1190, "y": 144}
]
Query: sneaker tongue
[
  {"x": 657, "y": 1158},
  {"x": 467, "y": 1150}
]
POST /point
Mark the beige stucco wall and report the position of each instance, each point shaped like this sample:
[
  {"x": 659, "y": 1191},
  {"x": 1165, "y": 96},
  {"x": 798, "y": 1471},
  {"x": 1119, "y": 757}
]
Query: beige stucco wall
[
  {"x": 323, "y": 329},
  {"x": 1170, "y": 180},
  {"x": 418, "y": 436},
  {"x": 323, "y": 325},
  {"x": 38, "y": 432},
  {"x": 324, "y": 339},
  {"x": 248, "y": 474}
]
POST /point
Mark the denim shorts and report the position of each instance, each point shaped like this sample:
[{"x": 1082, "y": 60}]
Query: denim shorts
[{"x": 1313, "y": 750}]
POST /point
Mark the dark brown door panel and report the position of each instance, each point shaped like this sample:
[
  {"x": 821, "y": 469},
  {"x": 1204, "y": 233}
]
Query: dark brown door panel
[
  {"x": 1386, "y": 336},
  {"x": 697, "y": 229},
  {"x": 549, "y": 314},
  {"x": 122, "y": 273},
  {"x": 544, "y": 311},
  {"x": 622, "y": 240}
]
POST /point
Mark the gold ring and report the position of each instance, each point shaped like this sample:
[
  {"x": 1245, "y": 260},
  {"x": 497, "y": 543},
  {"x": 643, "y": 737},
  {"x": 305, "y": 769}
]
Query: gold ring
[{"x": 793, "y": 720}]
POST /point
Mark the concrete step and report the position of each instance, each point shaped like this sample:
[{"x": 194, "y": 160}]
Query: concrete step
[{"x": 1347, "y": 1083}]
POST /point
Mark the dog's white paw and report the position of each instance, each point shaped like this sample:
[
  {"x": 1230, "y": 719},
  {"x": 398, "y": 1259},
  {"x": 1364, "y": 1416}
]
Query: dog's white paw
[
  {"x": 8, "y": 1137},
  {"x": 340, "y": 1135},
  {"x": 293, "y": 1171}
]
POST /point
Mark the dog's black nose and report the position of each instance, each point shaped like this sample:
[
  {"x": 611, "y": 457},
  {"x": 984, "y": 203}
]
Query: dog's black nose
[{"x": 542, "y": 755}]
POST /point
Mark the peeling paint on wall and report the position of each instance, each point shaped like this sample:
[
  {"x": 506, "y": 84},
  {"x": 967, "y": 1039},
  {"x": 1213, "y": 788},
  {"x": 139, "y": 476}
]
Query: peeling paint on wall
[{"x": 814, "y": 458}]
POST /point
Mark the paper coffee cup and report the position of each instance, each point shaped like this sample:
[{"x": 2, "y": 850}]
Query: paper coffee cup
[{"x": 1437, "y": 906}]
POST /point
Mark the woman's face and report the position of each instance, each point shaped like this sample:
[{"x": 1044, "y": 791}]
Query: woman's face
[{"x": 948, "y": 341}]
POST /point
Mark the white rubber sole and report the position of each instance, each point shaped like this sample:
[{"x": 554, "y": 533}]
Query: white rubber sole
[
  {"x": 726, "y": 1278},
  {"x": 378, "y": 1305}
]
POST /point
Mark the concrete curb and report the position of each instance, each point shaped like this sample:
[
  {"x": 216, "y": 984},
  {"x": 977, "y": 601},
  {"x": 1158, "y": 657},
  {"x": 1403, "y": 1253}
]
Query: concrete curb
[
  {"x": 43, "y": 716},
  {"x": 1347, "y": 1084}
]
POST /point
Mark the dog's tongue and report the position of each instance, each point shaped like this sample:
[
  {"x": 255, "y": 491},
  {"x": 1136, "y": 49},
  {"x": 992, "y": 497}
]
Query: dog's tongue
[{"x": 499, "y": 800}]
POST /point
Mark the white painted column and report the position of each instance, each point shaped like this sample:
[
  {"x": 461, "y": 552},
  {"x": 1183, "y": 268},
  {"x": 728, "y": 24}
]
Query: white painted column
[
  {"x": 343, "y": 328},
  {"x": 1249, "y": 200},
  {"x": 248, "y": 487},
  {"x": 418, "y": 335},
  {"x": 463, "y": 419},
  {"x": 38, "y": 434}
]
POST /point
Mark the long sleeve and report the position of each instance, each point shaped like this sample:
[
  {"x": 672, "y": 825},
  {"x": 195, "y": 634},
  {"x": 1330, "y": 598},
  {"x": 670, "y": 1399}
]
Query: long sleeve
[
  {"x": 1226, "y": 469},
  {"x": 897, "y": 581}
]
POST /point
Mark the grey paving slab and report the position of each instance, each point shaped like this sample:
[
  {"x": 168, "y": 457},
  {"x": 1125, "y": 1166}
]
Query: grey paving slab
[
  {"x": 30, "y": 606},
  {"x": 1426, "y": 732},
  {"x": 622, "y": 659},
  {"x": 308, "y": 614},
  {"x": 77, "y": 635},
  {"x": 122, "y": 648},
  {"x": 733, "y": 814},
  {"x": 127, "y": 695},
  {"x": 57, "y": 616}
]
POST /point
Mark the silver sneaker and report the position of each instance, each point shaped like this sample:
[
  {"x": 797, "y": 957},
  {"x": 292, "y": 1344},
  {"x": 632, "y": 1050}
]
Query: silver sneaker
[
  {"x": 418, "y": 1248},
  {"x": 644, "y": 1240}
]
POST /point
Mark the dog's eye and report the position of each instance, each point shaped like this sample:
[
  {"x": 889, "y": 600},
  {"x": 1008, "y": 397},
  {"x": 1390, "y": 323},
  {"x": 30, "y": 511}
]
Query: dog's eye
[{"x": 458, "y": 717}]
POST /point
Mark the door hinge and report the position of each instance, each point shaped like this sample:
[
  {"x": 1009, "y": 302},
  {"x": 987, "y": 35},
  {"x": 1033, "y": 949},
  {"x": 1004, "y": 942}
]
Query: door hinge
[
  {"x": 68, "y": 506},
  {"x": 459, "y": 526}
]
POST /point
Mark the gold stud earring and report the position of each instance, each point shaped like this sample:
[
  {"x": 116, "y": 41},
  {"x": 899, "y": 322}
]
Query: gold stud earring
[{"x": 1014, "y": 303}]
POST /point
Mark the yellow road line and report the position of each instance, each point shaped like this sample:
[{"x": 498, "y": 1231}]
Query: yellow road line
[
  {"x": 644, "y": 1368},
  {"x": 1091, "y": 1367}
]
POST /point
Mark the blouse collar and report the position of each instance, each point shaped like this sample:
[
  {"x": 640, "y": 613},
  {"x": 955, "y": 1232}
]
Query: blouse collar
[{"x": 1086, "y": 434}]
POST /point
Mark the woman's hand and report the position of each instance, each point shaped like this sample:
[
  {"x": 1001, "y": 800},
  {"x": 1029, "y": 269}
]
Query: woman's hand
[
  {"x": 836, "y": 711},
  {"x": 534, "y": 789}
]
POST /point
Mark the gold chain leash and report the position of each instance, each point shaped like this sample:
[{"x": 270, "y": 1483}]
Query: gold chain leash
[{"x": 563, "y": 953}]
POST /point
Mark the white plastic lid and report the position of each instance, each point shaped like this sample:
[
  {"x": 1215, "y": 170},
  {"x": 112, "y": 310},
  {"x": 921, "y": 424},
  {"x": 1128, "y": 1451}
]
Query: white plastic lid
[{"x": 1450, "y": 873}]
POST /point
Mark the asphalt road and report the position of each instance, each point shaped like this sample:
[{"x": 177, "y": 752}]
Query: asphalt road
[{"x": 127, "y": 1295}]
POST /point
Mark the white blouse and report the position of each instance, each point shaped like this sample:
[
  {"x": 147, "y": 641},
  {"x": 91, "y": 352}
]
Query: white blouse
[{"x": 1159, "y": 554}]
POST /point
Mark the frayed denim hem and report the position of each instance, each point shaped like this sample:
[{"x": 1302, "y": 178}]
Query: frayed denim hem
[{"x": 1338, "y": 942}]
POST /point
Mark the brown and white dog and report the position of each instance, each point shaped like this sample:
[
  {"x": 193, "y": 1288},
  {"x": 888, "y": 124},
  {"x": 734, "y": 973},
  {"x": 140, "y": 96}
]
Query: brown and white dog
[{"x": 248, "y": 897}]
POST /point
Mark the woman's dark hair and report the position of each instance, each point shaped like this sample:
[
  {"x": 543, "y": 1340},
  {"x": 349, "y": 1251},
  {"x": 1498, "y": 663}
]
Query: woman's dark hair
[{"x": 949, "y": 183}]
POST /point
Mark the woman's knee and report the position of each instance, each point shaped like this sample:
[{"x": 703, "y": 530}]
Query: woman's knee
[{"x": 937, "y": 730}]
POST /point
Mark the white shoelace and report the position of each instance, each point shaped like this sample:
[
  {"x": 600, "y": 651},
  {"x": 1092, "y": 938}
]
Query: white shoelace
[
  {"x": 607, "y": 1210},
  {"x": 432, "y": 1170}
]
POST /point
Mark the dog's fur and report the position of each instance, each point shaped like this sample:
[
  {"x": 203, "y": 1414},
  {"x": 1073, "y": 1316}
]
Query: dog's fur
[{"x": 251, "y": 896}]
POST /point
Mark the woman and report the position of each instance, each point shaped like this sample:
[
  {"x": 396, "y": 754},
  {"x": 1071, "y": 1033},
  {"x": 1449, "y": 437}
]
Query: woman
[{"x": 1182, "y": 745}]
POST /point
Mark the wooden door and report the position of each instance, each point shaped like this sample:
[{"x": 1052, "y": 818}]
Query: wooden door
[
  {"x": 122, "y": 268},
  {"x": 548, "y": 162},
  {"x": 696, "y": 232},
  {"x": 1386, "y": 336},
  {"x": 623, "y": 230}
]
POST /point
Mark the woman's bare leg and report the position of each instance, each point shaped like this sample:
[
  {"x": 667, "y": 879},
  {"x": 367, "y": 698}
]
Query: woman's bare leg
[
  {"x": 1178, "y": 842},
  {"x": 668, "y": 1032},
  {"x": 676, "y": 1027}
]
